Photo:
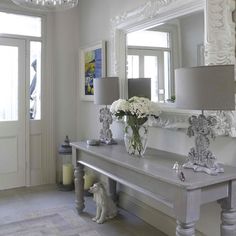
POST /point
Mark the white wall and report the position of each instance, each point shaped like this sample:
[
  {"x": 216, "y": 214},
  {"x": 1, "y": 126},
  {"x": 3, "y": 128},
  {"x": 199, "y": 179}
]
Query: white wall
[
  {"x": 65, "y": 73},
  {"x": 94, "y": 25}
]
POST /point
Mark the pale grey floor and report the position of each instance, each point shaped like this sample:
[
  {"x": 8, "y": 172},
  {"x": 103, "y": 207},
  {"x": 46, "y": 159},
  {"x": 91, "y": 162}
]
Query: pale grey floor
[{"x": 16, "y": 202}]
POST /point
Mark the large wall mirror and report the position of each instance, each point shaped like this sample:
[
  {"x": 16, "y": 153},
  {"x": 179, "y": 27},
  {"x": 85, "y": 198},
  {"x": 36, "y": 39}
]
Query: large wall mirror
[{"x": 193, "y": 32}]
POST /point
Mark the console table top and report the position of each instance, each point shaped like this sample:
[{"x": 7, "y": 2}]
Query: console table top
[{"x": 157, "y": 164}]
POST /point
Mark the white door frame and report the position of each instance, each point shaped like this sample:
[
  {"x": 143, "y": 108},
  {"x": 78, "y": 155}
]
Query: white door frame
[{"x": 46, "y": 173}]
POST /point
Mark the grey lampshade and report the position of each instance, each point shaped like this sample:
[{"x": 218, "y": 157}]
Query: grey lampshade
[
  {"x": 140, "y": 87},
  {"x": 106, "y": 90},
  {"x": 205, "y": 88}
]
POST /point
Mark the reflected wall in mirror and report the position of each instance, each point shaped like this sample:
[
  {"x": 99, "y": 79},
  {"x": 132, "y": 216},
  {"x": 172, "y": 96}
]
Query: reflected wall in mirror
[{"x": 157, "y": 51}]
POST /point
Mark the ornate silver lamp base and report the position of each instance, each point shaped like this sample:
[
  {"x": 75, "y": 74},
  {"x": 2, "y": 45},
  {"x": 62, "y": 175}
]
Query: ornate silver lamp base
[
  {"x": 201, "y": 159},
  {"x": 105, "y": 132}
]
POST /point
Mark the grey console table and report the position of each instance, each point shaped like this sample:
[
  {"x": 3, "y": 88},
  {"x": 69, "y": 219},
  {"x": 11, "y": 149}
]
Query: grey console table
[{"x": 153, "y": 176}]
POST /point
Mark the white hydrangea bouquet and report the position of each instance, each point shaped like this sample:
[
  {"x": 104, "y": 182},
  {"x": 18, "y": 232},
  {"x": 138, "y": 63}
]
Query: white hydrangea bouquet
[{"x": 136, "y": 112}]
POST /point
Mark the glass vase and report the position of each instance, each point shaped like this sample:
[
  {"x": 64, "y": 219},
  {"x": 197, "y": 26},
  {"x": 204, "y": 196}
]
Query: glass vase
[{"x": 136, "y": 135}]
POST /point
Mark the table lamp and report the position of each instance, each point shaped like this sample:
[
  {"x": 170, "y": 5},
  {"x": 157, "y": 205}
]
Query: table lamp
[
  {"x": 106, "y": 91},
  {"x": 204, "y": 88},
  {"x": 140, "y": 87}
]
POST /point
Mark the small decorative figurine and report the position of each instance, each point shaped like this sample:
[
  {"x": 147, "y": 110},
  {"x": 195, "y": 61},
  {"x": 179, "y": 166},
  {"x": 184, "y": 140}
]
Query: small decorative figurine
[
  {"x": 178, "y": 169},
  {"x": 106, "y": 208},
  {"x": 176, "y": 166}
]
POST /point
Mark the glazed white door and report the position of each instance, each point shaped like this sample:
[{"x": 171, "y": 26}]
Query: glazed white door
[
  {"x": 154, "y": 64},
  {"x": 12, "y": 113}
]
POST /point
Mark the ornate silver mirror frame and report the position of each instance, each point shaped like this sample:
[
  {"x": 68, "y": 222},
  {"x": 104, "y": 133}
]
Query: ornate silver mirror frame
[{"x": 219, "y": 44}]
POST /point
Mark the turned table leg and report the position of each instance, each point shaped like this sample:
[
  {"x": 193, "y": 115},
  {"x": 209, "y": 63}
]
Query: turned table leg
[
  {"x": 228, "y": 225},
  {"x": 79, "y": 187},
  {"x": 185, "y": 229},
  {"x": 228, "y": 214},
  {"x": 112, "y": 189},
  {"x": 187, "y": 210}
]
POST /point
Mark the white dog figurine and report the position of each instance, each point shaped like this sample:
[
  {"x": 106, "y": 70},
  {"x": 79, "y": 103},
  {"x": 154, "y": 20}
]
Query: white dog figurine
[{"x": 106, "y": 208}]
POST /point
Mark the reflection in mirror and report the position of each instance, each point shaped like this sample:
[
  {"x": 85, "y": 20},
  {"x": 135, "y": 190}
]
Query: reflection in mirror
[
  {"x": 157, "y": 51},
  {"x": 219, "y": 46},
  {"x": 140, "y": 87}
]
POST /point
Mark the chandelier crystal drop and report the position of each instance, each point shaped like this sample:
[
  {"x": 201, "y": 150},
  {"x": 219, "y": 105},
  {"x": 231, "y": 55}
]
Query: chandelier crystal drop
[{"x": 47, "y": 5}]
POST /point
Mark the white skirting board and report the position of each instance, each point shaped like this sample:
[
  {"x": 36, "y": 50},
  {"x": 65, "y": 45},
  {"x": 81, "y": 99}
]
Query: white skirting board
[{"x": 152, "y": 216}]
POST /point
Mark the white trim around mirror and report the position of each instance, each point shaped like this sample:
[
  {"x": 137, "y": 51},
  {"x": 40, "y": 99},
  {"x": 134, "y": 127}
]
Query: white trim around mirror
[{"x": 219, "y": 43}]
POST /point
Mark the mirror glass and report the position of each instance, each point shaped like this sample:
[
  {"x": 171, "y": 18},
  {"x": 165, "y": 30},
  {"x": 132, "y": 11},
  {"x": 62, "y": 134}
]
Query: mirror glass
[{"x": 157, "y": 51}]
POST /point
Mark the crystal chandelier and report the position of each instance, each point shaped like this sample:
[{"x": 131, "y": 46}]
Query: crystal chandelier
[{"x": 47, "y": 5}]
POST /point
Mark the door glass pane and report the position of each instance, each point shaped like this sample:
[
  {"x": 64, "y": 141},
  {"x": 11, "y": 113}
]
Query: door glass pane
[
  {"x": 151, "y": 71},
  {"x": 20, "y": 24},
  {"x": 133, "y": 66},
  {"x": 149, "y": 38},
  {"x": 8, "y": 83},
  {"x": 35, "y": 80}
]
